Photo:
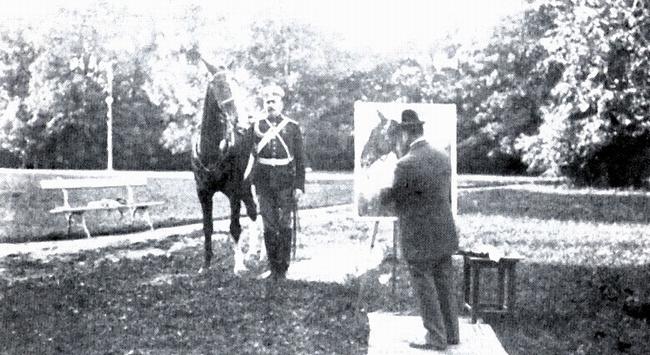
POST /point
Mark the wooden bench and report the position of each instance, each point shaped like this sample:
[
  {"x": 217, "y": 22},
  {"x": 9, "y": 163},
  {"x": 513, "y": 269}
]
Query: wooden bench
[
  {"x": 122, "y": 205},
  {"x": 473, "y": 263}
]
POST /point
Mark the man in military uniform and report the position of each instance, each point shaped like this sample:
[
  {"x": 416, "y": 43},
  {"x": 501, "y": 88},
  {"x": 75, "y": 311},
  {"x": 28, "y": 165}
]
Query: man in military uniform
[{"x": 278, "y": 176}]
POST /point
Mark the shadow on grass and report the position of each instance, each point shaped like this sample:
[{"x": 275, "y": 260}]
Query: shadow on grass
[
  {"x": 88, "y": 303},
  {"x": 560, "y": 309}
]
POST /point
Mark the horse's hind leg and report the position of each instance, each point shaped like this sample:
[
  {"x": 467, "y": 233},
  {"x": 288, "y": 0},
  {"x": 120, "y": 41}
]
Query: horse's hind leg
[
  {"x": 205, "y": 198},
  {"x": 235, "y": 231}
]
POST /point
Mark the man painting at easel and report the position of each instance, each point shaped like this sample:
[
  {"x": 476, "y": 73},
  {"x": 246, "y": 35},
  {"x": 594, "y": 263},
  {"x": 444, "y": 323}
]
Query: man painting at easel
[{"x": 421, "y": 193}]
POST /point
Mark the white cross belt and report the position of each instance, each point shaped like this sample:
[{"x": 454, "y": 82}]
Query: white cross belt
[{"x": 275, "y": 161}]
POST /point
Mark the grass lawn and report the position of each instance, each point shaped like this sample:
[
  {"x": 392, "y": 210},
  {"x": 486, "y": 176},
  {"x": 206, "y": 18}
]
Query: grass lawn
[
  {"x": 575, "y": 278},
  {"x": 584, "y": 254},
  {"x": 98, "y": 303}
]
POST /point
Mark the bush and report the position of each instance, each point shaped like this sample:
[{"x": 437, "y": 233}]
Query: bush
[
  {"x": 624, "y": 162},
  {"x": 478, "y": 155}
]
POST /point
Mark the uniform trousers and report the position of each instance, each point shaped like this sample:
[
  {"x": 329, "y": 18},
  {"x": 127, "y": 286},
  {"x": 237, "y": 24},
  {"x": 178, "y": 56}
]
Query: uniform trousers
[{"x": 275, "y": 207}]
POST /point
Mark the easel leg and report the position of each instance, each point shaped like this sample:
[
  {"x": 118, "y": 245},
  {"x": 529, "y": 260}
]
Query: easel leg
[
  {"x": 361, "y": 282},
  {"x": 467, "y": 279},
  {"x": 374, "y": 235},
  {"x": 394, "y": 276}
]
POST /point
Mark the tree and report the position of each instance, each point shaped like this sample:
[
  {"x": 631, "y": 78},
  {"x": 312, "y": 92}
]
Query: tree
[
  {"x": 57, "y": 118},
  {"x": 500, "y": 89},
  {"x": 310, "y": 67},
  {"x": 596, "y": 127},
  {"x": 17, "y": 53}
]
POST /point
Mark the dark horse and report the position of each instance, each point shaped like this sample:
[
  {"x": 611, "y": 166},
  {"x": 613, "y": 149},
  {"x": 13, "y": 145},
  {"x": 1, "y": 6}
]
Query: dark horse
[
  {"x": 382, "y": 141},
  {"x": 220, "y": 156}
]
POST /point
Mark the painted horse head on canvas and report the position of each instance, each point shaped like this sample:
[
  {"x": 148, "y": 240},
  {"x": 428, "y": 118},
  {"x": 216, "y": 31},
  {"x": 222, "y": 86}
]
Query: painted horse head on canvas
[
  {"x": 220, "y": 156},
  {"x": 382, "y": 141}
]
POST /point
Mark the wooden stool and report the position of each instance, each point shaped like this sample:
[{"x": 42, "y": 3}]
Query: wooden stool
[{"x": 506, "y": 268}]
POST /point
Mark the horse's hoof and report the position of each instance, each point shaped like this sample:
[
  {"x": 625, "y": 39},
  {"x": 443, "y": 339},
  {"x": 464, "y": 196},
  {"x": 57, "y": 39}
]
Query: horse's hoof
[
  {"x": 204, "y": 269},
  {"x": 240, "y": 270}
]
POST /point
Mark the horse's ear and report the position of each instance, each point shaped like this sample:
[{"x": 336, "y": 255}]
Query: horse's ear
[
  {"x": 381, "y": 116},
  {"x": 211, "y": 68}
]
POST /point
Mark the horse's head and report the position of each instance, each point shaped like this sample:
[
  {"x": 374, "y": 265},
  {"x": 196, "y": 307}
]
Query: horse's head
[
  {"x": 382, "y": 141},
  {"x": 224, "y": 89},
  {"x": 221, "y": 116}
]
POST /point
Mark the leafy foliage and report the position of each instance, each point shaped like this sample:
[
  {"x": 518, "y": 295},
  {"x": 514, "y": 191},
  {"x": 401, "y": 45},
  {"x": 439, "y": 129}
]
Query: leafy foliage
[
  {"x": 560, "y": 88},
  {"x": 56, "y": 115},
  {"x": 500, "y": 90},
  {"x": 596, "y": 125}
]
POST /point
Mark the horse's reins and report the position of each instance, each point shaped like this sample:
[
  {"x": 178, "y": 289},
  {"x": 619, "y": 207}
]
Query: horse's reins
[{"x": 197, "y": 157}]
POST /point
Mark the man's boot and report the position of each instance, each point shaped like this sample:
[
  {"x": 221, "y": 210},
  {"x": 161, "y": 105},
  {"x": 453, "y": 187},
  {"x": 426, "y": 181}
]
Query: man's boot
[
  {"x": 271, "y": 242},
  {"x": 284, "y": 250}
]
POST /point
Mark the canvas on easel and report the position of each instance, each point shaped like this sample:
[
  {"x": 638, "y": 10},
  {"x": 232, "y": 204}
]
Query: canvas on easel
[{"x": 375, "y": 150}]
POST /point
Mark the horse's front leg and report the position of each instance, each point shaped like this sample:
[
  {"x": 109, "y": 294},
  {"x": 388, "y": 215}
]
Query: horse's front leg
[
  {"x": 205, "y": 198},
  {"x": 249, "y": 201},
  {"x": 256, "y": 228},
  {"x": 235, "y": 232}
]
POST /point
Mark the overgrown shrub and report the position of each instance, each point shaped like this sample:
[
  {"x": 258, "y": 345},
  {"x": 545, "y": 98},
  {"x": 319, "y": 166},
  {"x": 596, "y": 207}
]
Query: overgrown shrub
[{"x": 623, "y": 162}]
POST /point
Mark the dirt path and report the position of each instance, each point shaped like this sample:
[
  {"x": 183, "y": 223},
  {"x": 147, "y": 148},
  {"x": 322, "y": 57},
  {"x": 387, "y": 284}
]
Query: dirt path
[{"x": 325, "y": 252}]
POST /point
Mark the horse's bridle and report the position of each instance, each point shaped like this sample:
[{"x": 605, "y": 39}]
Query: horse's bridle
[
  {"x": 230, "y": 99},
  {"x": 225, "y": 123}
]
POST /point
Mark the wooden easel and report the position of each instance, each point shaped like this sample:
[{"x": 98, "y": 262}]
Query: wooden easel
[{"x": 394, "y": 261}]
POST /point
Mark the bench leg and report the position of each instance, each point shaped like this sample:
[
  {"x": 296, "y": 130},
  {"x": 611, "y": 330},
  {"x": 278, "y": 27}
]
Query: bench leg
[
  {"x": 121, "y": 211},
  {"x": 68, "y": 217},
  {"x": 83, "y": 225},
  {"x": 147, "y": 216}
]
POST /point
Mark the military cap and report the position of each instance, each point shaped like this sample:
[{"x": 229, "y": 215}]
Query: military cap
[{"x": 271, "y": 91}]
